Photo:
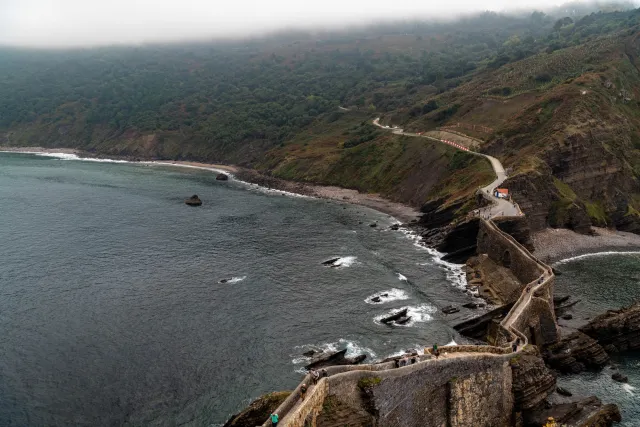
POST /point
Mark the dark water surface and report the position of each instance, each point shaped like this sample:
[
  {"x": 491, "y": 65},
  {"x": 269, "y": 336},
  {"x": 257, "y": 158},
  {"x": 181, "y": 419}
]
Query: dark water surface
[
  {"x": 111, "y": 312},
  {"x": 604, "y": 282}
]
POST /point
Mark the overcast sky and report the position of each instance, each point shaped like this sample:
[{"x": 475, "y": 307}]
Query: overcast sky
[{"x": 99, "y": 22}]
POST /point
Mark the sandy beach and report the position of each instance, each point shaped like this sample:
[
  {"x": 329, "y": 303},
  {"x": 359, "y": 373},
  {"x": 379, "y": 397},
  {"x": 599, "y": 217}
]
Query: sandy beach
[{"x": 552, "y": 245}]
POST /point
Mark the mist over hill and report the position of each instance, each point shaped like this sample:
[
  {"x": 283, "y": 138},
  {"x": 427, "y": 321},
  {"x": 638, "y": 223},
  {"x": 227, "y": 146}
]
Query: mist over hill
[{"x": 513, "y": 81}]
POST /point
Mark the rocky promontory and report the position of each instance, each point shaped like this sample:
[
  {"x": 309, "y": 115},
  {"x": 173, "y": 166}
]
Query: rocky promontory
[
  {"x": 258, "y": 411},
  {"x": 575, "y": 353},
  {"x": 616, "y": 330}
]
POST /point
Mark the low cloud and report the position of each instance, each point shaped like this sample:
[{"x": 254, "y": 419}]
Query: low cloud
[{"x": 49, "y": 23}]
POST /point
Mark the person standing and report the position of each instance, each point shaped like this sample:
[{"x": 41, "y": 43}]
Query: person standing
[
  {"x": 303, "y": 391},
  {"x": 274, "y": 420}
]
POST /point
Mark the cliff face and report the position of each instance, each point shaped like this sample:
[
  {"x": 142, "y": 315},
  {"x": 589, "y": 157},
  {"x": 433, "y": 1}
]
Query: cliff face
[
  {"x": 616, "y": 330},
  {"x": 533, "y": 382}
]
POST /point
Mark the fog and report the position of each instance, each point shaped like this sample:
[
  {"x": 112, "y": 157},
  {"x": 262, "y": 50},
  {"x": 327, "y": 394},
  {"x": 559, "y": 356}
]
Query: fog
[{"x": 56, "y": 23}]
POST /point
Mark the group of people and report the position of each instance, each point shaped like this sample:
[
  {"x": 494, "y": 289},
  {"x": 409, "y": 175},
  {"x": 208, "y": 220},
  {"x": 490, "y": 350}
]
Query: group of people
[{"x": 315, "y": 377}]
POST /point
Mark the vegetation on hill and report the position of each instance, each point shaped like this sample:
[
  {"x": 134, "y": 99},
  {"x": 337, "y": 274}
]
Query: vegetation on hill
[{"x": 552, "y": 94}]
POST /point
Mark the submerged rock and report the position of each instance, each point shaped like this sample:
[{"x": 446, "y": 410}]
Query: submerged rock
[
  {"x": 395, "y": 227},
  {"x": 222, "y": 177},
  {"x": 373, "y": 225},
  {"x": 450, "y": 309},
  {"x": 563, "y": 391},
  {"x": 193, "y": 201},
  {"x": 309, "y": 353},
  {"x": 376, "y": 299},
  {"x": 619, "y": 377}
]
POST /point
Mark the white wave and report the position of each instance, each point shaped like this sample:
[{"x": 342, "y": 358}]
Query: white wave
[
  {"x": 71, "y": 156},
  {"x": 353, "y": 349},
  {"x": 402, "y": 277},
  {"x": 418, "y": 313},
  {"x": 628, "y": 388},
  {"x": 450, "y": 343},
  {"x": 596, "y": 254},
  {"x": 453, "y": 272},
  {"x": 346, "y": 261},
  {"x": 232, "y": 280},
  {"x": 386, "y": 296}
]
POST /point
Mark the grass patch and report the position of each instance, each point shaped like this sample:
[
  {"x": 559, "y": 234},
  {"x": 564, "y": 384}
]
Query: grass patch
[
  {"x": 565, "y": 191},
  {"x": 368, "y": 382},
  {"x": 596, "y": 212}
]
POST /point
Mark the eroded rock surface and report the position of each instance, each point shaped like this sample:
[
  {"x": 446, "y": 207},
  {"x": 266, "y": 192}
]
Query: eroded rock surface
[
  {"x": 575, "y": 353},
  {"x": 616, "y": 330}
]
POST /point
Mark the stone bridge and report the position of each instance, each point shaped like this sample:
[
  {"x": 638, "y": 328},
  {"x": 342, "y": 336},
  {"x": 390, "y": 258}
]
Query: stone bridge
[{"x": 468, "y": 386}]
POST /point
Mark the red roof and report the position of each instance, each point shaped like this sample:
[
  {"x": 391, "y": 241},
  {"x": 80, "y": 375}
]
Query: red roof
[{"x": 502, "y": 190}]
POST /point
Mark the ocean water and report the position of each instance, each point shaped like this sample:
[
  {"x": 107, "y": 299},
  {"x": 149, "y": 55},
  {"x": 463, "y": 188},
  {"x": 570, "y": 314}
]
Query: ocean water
[
  {"x": 120, "y": 305},
  {"x": 603, "y": 282}
]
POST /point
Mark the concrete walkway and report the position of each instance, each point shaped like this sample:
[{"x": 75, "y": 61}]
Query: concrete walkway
[{"x": 499, "y": 207}]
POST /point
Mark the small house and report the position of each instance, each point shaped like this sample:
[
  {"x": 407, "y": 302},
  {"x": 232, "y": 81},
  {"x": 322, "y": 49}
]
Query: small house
[{"x": 501, "y": 193}]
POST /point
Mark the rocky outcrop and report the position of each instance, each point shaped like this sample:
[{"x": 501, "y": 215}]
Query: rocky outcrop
[
  {"x": 193, "y": 201},
  {"x": 222, "y": 177},
  {"x": 258, "y": 411},
  {"x": 518, "y": 228},
  {"x": 616, "y": 330},
  {"x": 575, "y": 353},
  {"x": 538, "y": 196},
  {"x": 335, "y": 359},
  {"x": 532, "y": 382},
  {"x": 589, "y": 412}
]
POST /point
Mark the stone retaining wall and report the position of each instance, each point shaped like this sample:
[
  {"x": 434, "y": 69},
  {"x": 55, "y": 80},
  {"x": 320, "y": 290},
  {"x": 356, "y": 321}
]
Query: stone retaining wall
[{"x": 467, "y": 391}]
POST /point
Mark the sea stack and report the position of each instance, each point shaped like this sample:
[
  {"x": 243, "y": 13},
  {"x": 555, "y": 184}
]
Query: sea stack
[
  {"x": 193, "y": 201},
  {"x": 222, "y": 177}
]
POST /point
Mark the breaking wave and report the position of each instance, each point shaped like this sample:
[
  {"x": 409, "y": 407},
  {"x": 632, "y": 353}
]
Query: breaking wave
[
  {"x": 232, "y": 280},
  {"x": 596, "y": 254},
  {"x": 387, "y": 296},
  {"x": 418, "y": 313},
  {"x": 353, "y": 349},
  {"x": 402, "y": 277}
]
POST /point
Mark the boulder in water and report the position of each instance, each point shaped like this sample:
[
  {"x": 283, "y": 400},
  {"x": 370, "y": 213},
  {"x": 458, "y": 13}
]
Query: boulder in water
[
  {"x": 563, "y": 391},
  {"x": 309, "y": 353},
  {"x": 222, "y": 177},
  {"x": 394, "y": 316},
  {"x": 376, "y": 299},
  {"x": 619, "y": 377},
  {"x": 193, "y": 201},
  {"x": 394, "y": 227},
  {"x": 331, "y": 262},
  {"x": 403, "y": 320},
  {"x": 373, "y": 225},
  {"x": 450, "y": 309}
]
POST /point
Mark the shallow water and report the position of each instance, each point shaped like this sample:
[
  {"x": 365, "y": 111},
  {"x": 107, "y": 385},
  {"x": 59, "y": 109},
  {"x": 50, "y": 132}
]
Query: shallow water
[
  {"x": 112, "y": 310},
  {"x": 604, "y": 282}
]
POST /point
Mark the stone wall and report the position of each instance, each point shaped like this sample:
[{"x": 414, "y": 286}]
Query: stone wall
[
  {"x": 505, "y": 250},
  {"x": 463, "y": 392}
]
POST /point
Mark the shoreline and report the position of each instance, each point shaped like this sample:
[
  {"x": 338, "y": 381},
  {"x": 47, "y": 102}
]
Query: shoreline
[
  {"x": 554, "y": 245},
  {"x": 551, "y": 245},
  {"x": 399, "y": 211}
]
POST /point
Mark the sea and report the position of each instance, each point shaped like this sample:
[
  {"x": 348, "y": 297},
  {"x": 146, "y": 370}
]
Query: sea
[
  {"x": 121, "y": 305},
  {"x": 601, "y": 282}
]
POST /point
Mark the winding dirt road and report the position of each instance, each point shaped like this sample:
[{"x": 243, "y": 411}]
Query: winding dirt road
[{"x": 499, "y": 207}]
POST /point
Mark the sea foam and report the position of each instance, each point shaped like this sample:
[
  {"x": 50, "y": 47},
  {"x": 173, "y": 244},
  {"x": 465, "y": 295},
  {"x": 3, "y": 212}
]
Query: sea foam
[
  {"x": 596, "y": 254},
  {"x": 393, "y": 294},
  {"x": 419, "y": 314}
]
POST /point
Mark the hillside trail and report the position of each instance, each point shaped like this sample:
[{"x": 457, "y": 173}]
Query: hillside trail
[{"x": 499, "y": 207}]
